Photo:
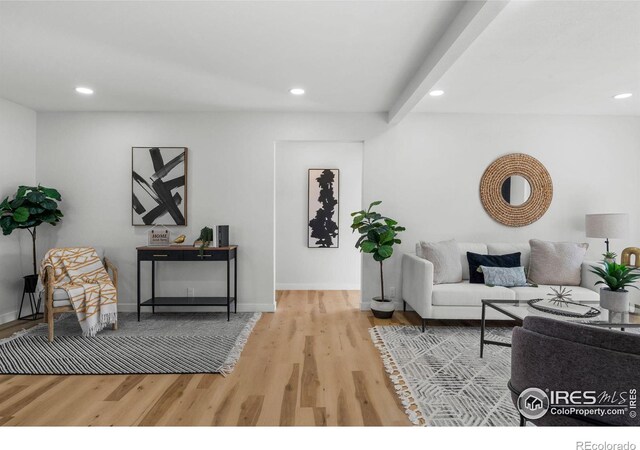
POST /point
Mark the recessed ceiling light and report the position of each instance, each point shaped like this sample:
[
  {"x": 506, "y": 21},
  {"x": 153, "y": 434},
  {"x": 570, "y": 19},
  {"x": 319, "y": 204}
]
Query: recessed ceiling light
[
  {"x": 84, "y": 90},
  {"x": 436, "y": 93},
  {"x": 621, "y": 96},
  {"x": 297, "y": 91}
]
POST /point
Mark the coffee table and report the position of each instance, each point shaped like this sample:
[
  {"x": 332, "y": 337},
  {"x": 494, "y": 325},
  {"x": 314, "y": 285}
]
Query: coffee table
[{"x": 519, "y": 309}]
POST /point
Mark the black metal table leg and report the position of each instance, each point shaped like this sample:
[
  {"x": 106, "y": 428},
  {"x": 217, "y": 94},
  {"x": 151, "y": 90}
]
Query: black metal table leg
[
  {"x": 228, "y": 285},
  {"x": 235, "y": 281},
  {"x": 482, "y": 325},
  {"x": 153, "y": 287},
  {"x": 138, "y": 289}
]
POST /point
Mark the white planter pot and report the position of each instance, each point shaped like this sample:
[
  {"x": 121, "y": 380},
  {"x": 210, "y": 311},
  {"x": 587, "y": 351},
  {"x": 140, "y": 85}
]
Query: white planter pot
[
  {"x": 616, "y": 301},
  {"x": 382, "y": 309}
]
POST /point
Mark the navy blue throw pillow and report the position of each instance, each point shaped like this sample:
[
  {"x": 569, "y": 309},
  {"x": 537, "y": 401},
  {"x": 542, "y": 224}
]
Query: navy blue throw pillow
[{"x": 476, "y": 260}]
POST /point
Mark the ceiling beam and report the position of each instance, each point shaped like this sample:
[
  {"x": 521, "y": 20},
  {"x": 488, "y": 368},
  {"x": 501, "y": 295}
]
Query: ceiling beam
[{"x": 471, "y": 21}]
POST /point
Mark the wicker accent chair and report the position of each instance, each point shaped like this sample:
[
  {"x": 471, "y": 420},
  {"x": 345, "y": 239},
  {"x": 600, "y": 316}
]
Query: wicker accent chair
[{"x": 57, "y": 301}]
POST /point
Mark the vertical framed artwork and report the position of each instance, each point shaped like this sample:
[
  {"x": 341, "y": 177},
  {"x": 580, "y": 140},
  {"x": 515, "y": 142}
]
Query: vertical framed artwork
[
  {"x": 159, "y": 185},
  {"x": 324, "y": 217}
]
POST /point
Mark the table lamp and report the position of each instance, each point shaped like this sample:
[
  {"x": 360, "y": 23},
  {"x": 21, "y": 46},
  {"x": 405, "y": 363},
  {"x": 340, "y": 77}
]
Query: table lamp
[{"x": 607, "y": 226}]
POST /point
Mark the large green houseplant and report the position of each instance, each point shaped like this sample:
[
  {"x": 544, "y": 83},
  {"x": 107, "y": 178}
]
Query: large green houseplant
[
  {"x": 616, "y": 277},
  {"x": 30, "y": 207},
  {"x": 378, "y": 235}
]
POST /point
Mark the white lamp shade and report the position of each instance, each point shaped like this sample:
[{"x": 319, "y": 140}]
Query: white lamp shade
[{"x": 608, "y": 226}]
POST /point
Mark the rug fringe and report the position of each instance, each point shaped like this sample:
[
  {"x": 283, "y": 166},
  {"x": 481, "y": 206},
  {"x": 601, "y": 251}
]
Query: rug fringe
[
  {"x": 234, "y": 355},
  {"x": 412, "y": 409}
]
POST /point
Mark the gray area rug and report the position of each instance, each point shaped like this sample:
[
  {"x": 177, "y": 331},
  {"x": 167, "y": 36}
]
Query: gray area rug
[
  {"x": 441, "y": 379},
  {"x": 160, "y": 343}
]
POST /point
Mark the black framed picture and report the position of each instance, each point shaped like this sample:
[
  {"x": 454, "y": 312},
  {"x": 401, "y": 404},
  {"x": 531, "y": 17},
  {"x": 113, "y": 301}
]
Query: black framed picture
[
  {"x": 324, "y": 217},
  {"x": 159, "y": 185}
]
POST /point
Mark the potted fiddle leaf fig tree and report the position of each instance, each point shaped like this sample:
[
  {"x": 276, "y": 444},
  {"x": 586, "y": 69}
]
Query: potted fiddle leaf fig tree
[
  {"x": 30, "y": 207},
  {"x": 616, "y": 277},
  {"x": 378, "y": 235}
]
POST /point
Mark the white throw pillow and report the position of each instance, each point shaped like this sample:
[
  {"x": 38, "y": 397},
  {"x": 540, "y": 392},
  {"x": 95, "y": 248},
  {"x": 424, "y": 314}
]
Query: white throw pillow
[
  {"x": 445, "y": 256},
  {"x": 556, "y": 263}
]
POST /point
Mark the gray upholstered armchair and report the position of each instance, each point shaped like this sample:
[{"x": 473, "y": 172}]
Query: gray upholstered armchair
[{"x": 563, "y": 356}]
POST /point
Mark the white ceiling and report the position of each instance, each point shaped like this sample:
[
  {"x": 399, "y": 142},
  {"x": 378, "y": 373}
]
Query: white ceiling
[
  {"x": 208, "y": 56},
  {"x": 535, "y": 57},
  {"x": 549, "y": 58}
]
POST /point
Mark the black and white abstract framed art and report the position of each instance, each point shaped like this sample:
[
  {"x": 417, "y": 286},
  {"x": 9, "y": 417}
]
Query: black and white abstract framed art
[
  {"x": 159, "y": 185},
  {"x": 324, "y": 217}
]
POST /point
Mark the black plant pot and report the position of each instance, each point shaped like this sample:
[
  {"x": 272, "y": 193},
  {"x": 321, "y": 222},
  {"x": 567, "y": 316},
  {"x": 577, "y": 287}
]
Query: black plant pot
[
  {"x": 30, "y": 284},
  {"x": 382, "y": 309}
]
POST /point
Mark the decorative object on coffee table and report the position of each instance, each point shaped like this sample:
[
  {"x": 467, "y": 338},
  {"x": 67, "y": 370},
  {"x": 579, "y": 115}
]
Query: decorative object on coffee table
[
  {"x": 516, "y": 190},
  {"x": 573, "y": 309},
  {"x": 378, "y": 234},
  {"x": 607, "y": 226},
  {"x": 560, "y": 296},
  {"x": 180, "y": 239},
  {"x": 616, "y": 277},
  {"x": 159, "y": 185}
]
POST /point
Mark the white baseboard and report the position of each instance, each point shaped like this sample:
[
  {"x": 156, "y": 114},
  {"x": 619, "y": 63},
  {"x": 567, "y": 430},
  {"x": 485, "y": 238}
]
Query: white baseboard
[
  {"x": 318, "y": 286},
  {"x": 8, "y": 317},
  {"x": 242, "y": 307}
]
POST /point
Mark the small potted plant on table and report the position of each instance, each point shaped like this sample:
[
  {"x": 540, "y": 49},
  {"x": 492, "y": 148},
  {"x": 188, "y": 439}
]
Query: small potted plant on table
[
  {"x": 378, "y": 236},
  {"x": 616, "y": 277}
]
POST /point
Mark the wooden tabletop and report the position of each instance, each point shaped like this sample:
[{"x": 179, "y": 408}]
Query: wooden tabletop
[{"x": 185, "y": 247}]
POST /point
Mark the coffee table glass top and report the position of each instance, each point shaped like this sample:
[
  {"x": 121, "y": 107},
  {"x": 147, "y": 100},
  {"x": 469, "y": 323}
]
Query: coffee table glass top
[{"x": 519, "y": 309}]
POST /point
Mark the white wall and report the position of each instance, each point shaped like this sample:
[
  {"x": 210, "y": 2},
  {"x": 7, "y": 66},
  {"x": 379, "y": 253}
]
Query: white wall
[
  {"x": 87, "y": 156},
  {"x": 17, "y": 166},
  {"x": 427, "y": 171},
  {"x": 300, "y": 267}
]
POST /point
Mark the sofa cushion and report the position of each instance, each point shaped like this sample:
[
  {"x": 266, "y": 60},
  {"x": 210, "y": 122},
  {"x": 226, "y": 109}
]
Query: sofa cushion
[
  {"x": 578, "y": 293},
  {"x": 557, "y": 263},
  {"x": 504, "y": 276},
  {"x": 469, "y": 247},
  {"x": 475, "y": 260},
  {"x": 445, "y": 259},
  {"x": 502, "y": 249},
  {"x": 466, "y": 294}
]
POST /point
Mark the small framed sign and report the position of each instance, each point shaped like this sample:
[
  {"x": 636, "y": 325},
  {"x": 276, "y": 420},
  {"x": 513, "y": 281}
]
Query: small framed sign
[{"x": 159, "y": 235}]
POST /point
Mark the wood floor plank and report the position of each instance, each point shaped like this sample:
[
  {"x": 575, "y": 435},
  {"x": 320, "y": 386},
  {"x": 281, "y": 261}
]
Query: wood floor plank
[
  {"x": 13, "y": 408},
  {"x": 6, "y": 394},
  {"x": 310, "y": 381},
  {"x": 250, "y": 410},
  {"x": 167, "y": 399},
  {"x": 320, "y": 415},
  {"x": 123, "y": 389},
  {"x": 290, "y": 398},
  {"x": 369, "y": 414}
]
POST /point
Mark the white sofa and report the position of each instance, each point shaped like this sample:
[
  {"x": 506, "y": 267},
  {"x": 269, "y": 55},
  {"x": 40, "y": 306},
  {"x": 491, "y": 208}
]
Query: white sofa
[{"x": 463, "y": 300}]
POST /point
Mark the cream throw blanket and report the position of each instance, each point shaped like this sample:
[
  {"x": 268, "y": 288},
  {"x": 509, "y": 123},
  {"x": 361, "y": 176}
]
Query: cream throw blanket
[{"x": 81, "y": 274}]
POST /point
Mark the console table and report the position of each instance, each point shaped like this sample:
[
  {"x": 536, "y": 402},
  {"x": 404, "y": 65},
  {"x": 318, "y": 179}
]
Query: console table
[{"x": 183, "y": 253}]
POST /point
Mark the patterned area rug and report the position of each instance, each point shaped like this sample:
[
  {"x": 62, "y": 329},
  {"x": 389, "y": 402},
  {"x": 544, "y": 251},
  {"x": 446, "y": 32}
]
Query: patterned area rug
[
  {"x": 441, "y": 379},
  {"x": 160, "y": 343}
]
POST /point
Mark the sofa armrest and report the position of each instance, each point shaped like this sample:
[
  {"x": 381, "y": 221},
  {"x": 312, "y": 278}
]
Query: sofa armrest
[
  {"x": 588, "y": 279},
  {"x": 417, "y": 283}
]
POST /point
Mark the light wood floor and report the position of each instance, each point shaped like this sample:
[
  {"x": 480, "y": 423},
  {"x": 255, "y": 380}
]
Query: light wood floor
[{"x": 311, "y": 363}]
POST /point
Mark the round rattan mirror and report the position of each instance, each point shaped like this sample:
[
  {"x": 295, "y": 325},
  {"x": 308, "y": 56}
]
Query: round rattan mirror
[{"x": 516, "y": 190}]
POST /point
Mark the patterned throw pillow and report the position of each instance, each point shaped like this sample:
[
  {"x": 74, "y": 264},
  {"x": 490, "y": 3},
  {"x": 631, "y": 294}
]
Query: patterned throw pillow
[{"x": 504, "y": 276}]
